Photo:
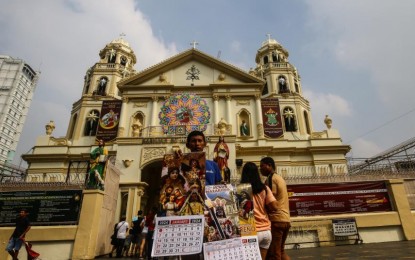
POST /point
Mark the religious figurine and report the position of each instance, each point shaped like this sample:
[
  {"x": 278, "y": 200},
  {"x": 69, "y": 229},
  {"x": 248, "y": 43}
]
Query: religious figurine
[
  {"x": 222, "y": 126},
  {"x": 244, "y": 128},
  {"x": 328, "y": 121},
  {"x": 97, "y": 162},
  {"x": 283, "y": 84},
  {"x": 101, "y": 86},
  {"x": 136, "y": 128},
  {"x": 194, "y": 206},
  {"x": 50, "y": 127},
  {"x": 221, "y": 156},
  {"x": 111, "y": 56},
  {"x": 170, "y": 207}
]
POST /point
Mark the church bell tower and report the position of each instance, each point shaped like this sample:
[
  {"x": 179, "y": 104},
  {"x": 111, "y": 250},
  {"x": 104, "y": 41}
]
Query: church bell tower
[
  {"x": 284, "y": 83},
  {"x": 117, "y": 61}
]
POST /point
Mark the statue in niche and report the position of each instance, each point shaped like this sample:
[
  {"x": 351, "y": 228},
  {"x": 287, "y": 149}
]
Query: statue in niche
[
  {"x": 244, "y": 128},
  {"x": 222, "y": 126},
  {"x": 282, "y": 83},
  {"x": 111, "y": 56},
  {"x": 102, "y": 86},
  {"x": 137, "y": 128}
]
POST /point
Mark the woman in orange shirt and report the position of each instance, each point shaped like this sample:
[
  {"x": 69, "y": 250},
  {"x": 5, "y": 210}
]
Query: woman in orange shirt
[{"x": 264, "y": 202}]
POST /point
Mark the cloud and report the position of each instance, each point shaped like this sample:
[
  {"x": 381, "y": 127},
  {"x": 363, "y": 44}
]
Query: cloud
[
  {"x": 327, "y": 104},
  {"x": 370, "y": 36},
  {"x": 362, "y": 148},
  {"x": 235, "y": 46},
  {"x": 76, "y": 32}
]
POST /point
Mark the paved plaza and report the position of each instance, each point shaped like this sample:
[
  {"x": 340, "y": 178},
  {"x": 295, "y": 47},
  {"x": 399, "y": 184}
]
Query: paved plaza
[{"x": 380, "y": 251}]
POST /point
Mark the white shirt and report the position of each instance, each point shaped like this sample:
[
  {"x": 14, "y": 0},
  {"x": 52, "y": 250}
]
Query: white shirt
[{"x": 122, "y": 230}]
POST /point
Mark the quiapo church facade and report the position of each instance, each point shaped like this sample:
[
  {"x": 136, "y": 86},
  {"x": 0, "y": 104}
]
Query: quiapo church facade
[
  {"x": 144, "y": 115},
  {"x": 127, "y": 122}
]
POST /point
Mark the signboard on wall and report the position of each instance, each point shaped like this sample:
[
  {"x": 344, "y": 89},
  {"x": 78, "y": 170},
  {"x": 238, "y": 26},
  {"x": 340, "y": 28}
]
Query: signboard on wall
[
  {"x": 338, "y": 198},
  {"x": 271, "y": 117},
  {"x": 45, "y": 207},
  {"x": 344, "y": 227}
]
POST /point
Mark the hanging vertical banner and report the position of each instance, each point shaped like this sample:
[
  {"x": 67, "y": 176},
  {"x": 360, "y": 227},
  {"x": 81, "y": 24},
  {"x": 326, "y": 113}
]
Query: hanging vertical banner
[
  {"x": 109, "y": 119},
  {"x": 271, "y": 117}
]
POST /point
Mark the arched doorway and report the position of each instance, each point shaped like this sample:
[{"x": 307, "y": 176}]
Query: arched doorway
[{"x": 151, "y": 174}]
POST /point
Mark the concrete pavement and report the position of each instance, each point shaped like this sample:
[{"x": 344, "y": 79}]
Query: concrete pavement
[{"x": 379, "y": 251}]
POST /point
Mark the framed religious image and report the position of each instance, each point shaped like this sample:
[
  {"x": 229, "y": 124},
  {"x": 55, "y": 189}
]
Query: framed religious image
[{"x": 182, "y": 184}]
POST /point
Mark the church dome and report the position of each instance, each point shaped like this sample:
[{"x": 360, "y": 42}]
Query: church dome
[
  {"x": 270, "y": 42},
  {"x": 121, "y": 41}
]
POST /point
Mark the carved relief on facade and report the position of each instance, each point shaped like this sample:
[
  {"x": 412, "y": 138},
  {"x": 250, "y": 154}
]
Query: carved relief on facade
[
  {"x": 151, "y": 153},
  {"x": 243, "y": 102},
  {"x": 140, "y": 104},
  {"x": 60, "y": 141}
]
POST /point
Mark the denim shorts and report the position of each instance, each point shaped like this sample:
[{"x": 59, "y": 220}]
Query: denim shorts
[{"x": 15, "y": 244}]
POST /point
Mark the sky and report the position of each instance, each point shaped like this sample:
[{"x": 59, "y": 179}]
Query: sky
[{"x": 355, "y": 58}]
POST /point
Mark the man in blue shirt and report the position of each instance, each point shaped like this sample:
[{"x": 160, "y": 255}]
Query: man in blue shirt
[{"x": 196, "y": 142}]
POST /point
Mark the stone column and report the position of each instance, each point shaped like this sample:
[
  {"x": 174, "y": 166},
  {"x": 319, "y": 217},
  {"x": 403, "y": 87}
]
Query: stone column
[
  {"x": 401, "y": 205},
  {"x": 154, "y": 111},
  {"x": 228, "y": 109},
  {"x": 260, "y": 123},
  {"x": 123, "y": 118},
  {"x": 215, "y": 108},
  {"x": 85, "y": 244}
]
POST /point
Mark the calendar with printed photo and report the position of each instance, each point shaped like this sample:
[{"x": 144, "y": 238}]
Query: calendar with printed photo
[{"x": 178, "y": 235}]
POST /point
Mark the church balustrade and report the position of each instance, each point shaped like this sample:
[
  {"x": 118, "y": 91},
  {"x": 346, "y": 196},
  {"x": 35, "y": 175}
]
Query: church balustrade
[
  {"x": 108, "y": 66},
  {"x": 279, "y": 65},
  {"x": 174, "y": 131}
]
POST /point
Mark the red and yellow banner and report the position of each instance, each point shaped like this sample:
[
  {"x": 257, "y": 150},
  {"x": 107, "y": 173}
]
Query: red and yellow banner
[
  {"x": 338, "y": 198},
  {"x": 109, "y": 119},
  {"x": 271, "y": 117}
]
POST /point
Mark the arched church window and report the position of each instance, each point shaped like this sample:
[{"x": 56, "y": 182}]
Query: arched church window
[
  {"x": 265, "y": 59},
  {"x": 283, "y": 85},
  {"x": 289, "y": 120},
  {"x": 274, "y": 57},
  {"x": 102, "y": 85},
  {"x": 307, "y": 123},
  {"x": 91, "y": 123},
  {"x": 123, "y": 61},
  {"x": 265, "y": 89}
]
